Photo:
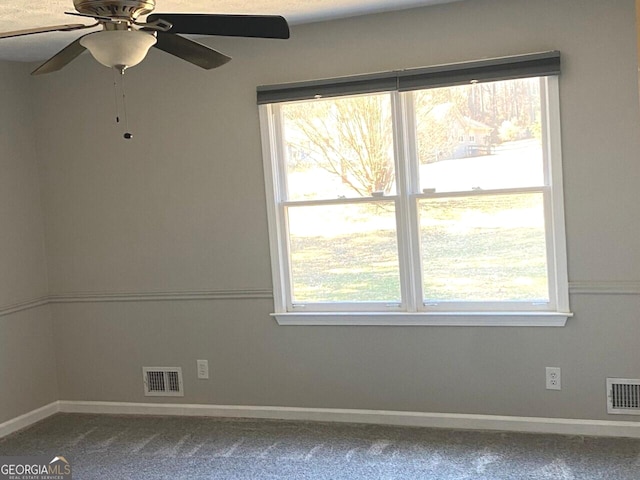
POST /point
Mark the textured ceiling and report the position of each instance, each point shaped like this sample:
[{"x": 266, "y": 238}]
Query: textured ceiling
[{"x": 23, "y": 14}]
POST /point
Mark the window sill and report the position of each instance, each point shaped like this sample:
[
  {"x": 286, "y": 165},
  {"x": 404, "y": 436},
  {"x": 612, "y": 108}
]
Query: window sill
[{"x": 454, "y": 319}]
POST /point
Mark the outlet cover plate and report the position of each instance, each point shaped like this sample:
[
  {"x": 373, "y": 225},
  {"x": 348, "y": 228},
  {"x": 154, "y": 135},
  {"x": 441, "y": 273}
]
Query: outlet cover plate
[
  {"x": 553, "y": 378},
  {"x": 203, "y": 369}
]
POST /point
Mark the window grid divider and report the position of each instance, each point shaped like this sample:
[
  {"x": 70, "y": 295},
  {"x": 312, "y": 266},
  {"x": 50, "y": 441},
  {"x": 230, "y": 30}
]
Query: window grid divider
[
  {"x": 407, "y": 174},
  {"x": 339, "y": 201}
]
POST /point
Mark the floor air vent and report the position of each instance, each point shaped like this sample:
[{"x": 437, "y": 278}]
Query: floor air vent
[
  {"x": 623, "y": 396},
  {"x": 162, "y": 381}
]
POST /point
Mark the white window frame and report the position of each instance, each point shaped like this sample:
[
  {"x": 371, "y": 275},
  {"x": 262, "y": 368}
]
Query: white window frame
[{"x": 411, "y": 310}]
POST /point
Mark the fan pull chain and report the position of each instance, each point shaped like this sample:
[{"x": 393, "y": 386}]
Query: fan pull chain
[
  {"x": 115, "y": 95},
  {"x": 127, "y": 135}
]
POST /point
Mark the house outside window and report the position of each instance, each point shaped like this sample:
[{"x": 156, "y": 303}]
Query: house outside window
[{"x": 381, "y": 213}]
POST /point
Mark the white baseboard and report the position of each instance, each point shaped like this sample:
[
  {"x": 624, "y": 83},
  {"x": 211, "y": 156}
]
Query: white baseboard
[
  {"x": 601, "y": 428},
  {"x": 561, "y": 426},
  {"x": 28, "y": 419}
]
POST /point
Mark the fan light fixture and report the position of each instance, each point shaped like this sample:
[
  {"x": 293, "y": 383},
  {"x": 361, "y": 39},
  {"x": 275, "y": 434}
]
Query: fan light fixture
[{"x": 119, "y": 49}]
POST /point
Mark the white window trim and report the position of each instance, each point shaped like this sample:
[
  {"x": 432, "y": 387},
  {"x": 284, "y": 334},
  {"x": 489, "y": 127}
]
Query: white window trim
[
  {"x": 555, "y": 314},
  {"x": 408, "y": 319}
]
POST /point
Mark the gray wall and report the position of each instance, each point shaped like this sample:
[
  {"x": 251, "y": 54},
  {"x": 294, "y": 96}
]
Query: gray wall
[
  {"x": 181, "y": 208},
  {"x": 27, "y": 357}
]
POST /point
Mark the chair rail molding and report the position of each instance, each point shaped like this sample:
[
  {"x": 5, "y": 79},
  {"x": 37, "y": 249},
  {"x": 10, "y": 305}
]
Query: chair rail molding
[
  {"x": 232, "y": 294},
  {"x": 102, "y": 297},
  {"x": 590, "y": 287},
  {"x": 604, "y": 287},
  {"x": 25, "y": 305}
]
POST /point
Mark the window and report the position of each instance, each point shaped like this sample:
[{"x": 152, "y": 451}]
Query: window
[{"x": 381, "y": 213}]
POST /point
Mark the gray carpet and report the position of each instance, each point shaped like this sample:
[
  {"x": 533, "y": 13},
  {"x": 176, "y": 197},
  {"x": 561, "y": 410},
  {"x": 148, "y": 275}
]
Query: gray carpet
[{"x": 142, "y": 448}]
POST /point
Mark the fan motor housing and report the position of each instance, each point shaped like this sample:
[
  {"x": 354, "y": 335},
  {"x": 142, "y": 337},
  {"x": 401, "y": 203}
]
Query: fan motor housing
[{"x": 129, "y": 9}]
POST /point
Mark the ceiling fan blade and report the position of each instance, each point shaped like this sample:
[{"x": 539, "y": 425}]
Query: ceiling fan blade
[
  {"x": 86, "y": 15},
  {"x": 191, "y": 51},
  {"x": 261, "y": 26},
  {"x": 54, "y": 28},
  {"x": 61, "y": 59}
]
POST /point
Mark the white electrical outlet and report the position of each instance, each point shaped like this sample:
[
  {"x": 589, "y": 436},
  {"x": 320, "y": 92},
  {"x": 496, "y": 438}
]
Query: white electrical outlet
[
  {"x": 203, "y": 368},
  {"x": 554, "y": 378}
]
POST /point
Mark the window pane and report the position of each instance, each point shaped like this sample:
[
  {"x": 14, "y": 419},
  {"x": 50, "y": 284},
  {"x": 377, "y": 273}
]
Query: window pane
[
  {"x": 344, "y": 253},
  {"x": 339, "y": 148},
  {"x": 480, "y": 136},
  {"x": 486, "y": 248}
]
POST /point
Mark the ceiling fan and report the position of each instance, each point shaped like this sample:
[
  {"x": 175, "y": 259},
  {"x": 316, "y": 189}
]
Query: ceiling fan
[{"x": 124, "y": 41}]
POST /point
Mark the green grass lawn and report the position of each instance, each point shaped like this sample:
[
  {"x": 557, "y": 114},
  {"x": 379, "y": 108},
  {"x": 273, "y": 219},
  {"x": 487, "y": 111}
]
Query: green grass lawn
[
  {"x": 346, "y": 268},
  {"x": 472, "y": 251}
]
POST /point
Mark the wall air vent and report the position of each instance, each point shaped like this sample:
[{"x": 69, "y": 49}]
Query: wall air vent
[
  {"x": 162, "y": 381},
  {"x": 623, "y": 396}
]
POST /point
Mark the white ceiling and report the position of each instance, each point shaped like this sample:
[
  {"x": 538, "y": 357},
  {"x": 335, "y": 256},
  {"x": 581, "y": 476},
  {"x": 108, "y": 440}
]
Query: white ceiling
[{"x": 23, "y": 14}]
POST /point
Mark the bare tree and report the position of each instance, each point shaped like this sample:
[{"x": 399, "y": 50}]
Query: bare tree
[
  {"x": 349, "y": 137},
  {"x": 352, "y": 137}
]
